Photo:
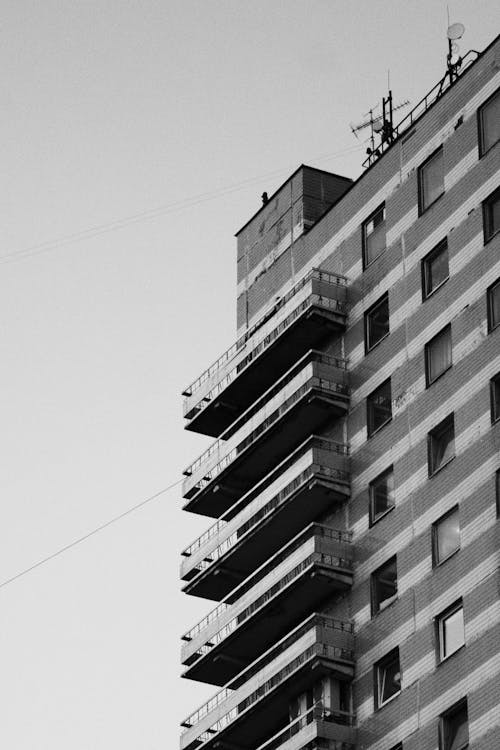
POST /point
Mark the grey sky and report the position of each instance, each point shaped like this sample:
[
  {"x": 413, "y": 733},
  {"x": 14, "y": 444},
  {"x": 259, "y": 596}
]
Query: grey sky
[{"x": 112, "y": 108}]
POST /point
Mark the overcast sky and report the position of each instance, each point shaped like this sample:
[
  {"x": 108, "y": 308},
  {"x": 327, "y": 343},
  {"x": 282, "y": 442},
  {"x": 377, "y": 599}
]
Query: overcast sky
[{"x": 137, "y": 138}]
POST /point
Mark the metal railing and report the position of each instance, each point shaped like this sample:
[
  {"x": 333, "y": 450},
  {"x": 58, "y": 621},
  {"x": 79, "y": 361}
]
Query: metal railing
[
  {"x": 316, "y": 620},
  {"x": 331, "y": 561},
  {"x": 314, "y": 274},
  {"x": 266, "y": 510},
  {"x": 316, "y": 650},
  {"x": 423, "y": 105},
  {"x": 323, "y": 384},
  {"x": 313, "y": 299},
  {"x": 317, "y": 713},
  {"x": 313, "y": 443}
]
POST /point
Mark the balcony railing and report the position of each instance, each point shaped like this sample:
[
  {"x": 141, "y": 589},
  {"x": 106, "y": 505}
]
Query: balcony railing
[
  {"x": 322, "y": 558},
  {"x": 228, "y": 388},
  {"x": 279, "y": 499},
  {"x": 317, "y": 713},
  {"x": 321, "y": 650},
  {"x": 315, "y": 273},
  {"x": 316, "y": 444},
  {"x": 329, "y": 624},
  {"x": 204, "y": 471}
]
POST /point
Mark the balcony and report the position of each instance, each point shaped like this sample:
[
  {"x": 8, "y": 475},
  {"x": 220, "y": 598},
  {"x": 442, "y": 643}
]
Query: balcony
[
  {"x": 315, "y": 565},
  {"x": 256, "y": 704},
  {"x": 225, "y": 555},
  {"x": 317, "y": 728},
  {"x": 296, "y": 407},
  {"x": 313, "y": 309}
]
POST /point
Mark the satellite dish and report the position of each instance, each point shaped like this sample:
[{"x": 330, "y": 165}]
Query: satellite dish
[
  {"x": 455, "y": 31},
  {"x": 378, "y": 125},
  {"x": 454, "y": 59}
]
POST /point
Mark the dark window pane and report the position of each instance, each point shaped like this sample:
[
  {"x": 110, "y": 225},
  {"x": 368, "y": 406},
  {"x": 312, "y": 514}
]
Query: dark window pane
[
  {"x": 489, "y": 123},
  {"x": 494, "y": 305},
  {"x": 441, "y": 445},
  {"x": 379, "y": 407},
  {"x": 492, "y": 215},
  {"x": 381, "y": 495},
  {"x": 495, "y": 398},
  {"x": 431, "y": 180},
  {"x": 374, "y": 236},
  {"x": 384, "y": 586},
  {"x": 377, "y": 323},
  {"x": 456, "y": 728},
  {"x": 438, "y": 354}
]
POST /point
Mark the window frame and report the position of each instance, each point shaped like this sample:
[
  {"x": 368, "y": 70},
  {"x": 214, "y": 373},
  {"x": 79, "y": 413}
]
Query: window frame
[
  {"x": 370, "y": 429},
  {"x": 489, "y": 302},
  {"x": 378, "y": 668},
  {"x": 480, "y": 128},
  {"x": 432, "y": 437},
  {"x": 422, "y": 206},
  {"x": 442, "y": 653},
  {"x": 364, "y": 237},
  {"x": 487, "y": 203},
  {"x": 495, "y": 398},
  {"x": 379, "y": 303},
  {"x": 374, "y": 580},
  {"x": 434, "y": 253},
  {"x": 497, "y": 492},
  {"x": 427, "y": 350},
  {"x": 444, "y": 741},
  {"x": 373, "y": 519},
  {"x": 436, "y": 560}
]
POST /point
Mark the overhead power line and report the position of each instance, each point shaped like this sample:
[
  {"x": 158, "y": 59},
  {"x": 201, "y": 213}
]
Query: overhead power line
[
  {"x": 152, "y": 213},
  {"x": 84, "y": 538}
]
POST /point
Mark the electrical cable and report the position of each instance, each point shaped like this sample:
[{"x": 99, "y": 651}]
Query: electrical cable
[
  {"x": 83, "y": 538},
  {"x": 151, "y": 213}
]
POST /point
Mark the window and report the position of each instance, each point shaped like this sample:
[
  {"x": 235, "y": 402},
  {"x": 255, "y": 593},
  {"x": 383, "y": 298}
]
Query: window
[
  {"x": 489, "y": 123},
  {"x": 438, "y": 355},
  {"x": 377, "y": 322},
  {"x": 384, "y": 586},
  {"x": 381, "y": 495},
  {"x": 450, "y": 627},
  {"x": 454, "y": 728},
  {"x": 379, "y": 407},
  {"x": 493, "y": 296},
  {"x": 495, "y": 398},
  {"x": 441, "y": 445},
  {"x": 387, "y": 678},
  {"x": 497, "y": 492},
  {"x": 374, "y": 236},
  {"x": 491, "y": 215},
  {"x": 430, "y": 180},
  {"x": 445, "y": 536},
  {"x": 435, "y": 269}
]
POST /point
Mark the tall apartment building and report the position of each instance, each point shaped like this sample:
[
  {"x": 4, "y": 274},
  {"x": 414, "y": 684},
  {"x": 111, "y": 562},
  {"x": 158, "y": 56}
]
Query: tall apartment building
[{"x": 354, "y": 480}]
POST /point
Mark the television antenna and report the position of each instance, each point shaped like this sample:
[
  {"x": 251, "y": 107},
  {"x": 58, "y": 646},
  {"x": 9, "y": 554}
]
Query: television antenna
[{"x": 381, "y": 124}]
